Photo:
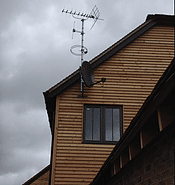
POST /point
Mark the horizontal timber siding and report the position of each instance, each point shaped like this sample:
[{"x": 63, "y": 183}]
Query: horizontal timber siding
[{"x": 130, "y": 75}]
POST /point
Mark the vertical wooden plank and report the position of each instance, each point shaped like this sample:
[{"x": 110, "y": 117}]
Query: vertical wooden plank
[
  {"x": 130, "y": 153},
  {"x": 166, "y": 113},
  {"x": 141, "y": 140},
  {"x": 116, "y": 165},
  {"x": 159, "y": 120},
  {"x": 124, "y": 157},
  {"x": 134, "y": 147},
  {"x": 150, "y": 130}
]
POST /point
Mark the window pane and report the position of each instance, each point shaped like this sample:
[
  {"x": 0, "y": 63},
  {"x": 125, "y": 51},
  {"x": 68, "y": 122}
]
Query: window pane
[
  {"x": 108, "y": 124},
  {"x": 88, "y": 129},
  {"x": 96, "y": 124},
  {"x": 116, "y": 125}
]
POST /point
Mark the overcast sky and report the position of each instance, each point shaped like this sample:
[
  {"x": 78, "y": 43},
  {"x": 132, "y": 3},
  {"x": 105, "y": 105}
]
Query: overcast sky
[{"x": 35, "y": 41}]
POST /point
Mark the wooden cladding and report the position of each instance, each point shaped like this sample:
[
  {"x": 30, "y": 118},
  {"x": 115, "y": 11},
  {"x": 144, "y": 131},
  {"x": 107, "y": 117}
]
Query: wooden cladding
[
  {"x": 79, "y": 163},
  {"x": 131, "y": 75}
]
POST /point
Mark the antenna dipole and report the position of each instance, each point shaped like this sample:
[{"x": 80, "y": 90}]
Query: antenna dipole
[
  {"x": 95, "y": 14},
  {"x": 78, "y": 14}
]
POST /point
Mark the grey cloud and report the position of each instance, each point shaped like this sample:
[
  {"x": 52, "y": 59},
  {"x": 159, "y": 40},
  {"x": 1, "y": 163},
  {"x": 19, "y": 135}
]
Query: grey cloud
[{"x": 25, "y": 143}]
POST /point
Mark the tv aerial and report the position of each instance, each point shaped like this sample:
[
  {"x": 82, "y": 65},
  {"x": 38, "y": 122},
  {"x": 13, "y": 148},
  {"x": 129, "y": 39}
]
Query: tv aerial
[{"x": 86, "y": 70}]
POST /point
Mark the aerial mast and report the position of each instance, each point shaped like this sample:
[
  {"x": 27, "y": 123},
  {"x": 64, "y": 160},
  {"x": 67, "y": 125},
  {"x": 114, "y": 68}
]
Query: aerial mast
[{"x": 81, "y": 50}]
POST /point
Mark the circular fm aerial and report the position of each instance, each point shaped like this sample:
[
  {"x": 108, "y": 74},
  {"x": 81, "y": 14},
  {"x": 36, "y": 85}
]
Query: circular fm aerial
[{"x": 78, "y": 50}]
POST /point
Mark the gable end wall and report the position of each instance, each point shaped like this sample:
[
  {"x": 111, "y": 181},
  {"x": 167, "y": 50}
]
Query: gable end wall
[{"x": 130, "y": 75}]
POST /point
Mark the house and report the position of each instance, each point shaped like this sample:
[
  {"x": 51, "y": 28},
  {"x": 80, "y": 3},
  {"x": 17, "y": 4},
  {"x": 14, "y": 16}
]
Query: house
[{"x": 86, "y": 130}]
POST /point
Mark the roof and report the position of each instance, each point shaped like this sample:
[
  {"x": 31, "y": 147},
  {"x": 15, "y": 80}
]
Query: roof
[
  {"x": 38, "y": 175},
  {"x": 151, "y": 21},
  {"x": 163, "y": 89}
]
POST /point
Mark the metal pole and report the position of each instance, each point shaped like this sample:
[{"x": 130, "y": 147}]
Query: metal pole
[
  {"x": 82, "y": 51},
  {"x": 82, "y": 39}
]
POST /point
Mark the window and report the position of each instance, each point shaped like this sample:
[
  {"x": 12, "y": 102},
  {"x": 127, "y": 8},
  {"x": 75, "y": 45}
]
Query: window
[{"x": 102, "y": 124}]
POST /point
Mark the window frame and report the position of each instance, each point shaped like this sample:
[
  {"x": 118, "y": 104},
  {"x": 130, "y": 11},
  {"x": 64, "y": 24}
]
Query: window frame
[{"x": 102, "y": 123}]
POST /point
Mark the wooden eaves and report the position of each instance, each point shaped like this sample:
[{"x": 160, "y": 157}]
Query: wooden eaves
[
  {"x": 163, "y": 89},
  {"x": 51, "y": 94}
]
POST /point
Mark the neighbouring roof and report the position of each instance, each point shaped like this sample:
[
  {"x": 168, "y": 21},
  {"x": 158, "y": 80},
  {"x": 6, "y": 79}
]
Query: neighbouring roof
[
  {"x": 38, "y": 175},
  {"x": 163, "y": 89},
  {"x": 151, "y": 21}
]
